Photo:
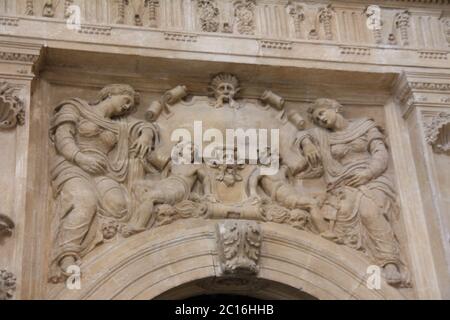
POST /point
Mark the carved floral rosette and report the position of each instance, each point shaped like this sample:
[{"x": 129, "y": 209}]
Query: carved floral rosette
[
  {"x": 12, "y": 111},
  {"x": 437, "y": 133}
]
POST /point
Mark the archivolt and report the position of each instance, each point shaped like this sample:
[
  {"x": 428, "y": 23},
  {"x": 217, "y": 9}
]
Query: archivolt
[{"x": 161, "y": 260}]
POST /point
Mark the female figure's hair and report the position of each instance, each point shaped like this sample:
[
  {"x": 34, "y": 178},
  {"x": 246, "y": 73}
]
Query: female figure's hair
[
  {"x": 325, "y": 103},
  {"x": 119, "y": 89}
]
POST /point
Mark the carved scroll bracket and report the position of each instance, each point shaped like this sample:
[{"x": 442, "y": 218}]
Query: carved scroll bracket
[
  {"x": 12, "y": 110},
  {"x": 437, "y": 133},
  {"x": 239, "y": 246}
]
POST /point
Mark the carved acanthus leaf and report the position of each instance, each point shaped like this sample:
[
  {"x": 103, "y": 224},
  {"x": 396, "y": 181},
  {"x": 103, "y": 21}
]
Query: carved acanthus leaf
[
  {"x": 239, "y": 244},
  {"x": 437, "y": 133},
  {"x": 12, "y": 112},
  {"x": 208, "y": 15},
  {"x": 244, "y": 11}
]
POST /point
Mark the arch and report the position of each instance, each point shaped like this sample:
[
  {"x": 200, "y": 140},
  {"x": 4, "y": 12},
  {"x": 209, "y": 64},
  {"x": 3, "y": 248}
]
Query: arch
[{"x": 183, "y": 255}]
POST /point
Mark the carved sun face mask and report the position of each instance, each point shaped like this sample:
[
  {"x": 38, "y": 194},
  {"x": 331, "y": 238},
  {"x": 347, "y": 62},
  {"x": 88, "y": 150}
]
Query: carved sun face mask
[
  {"x": 225, "y": 91},
  {"x": 325, "y": 117}
]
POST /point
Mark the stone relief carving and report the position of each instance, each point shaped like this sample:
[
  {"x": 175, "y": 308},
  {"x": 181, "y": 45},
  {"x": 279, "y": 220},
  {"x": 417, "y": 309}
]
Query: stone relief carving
[
  {"x": 100, "y": 152},
  {"x": 239, "y": 245},
  {"x": 29, "y": 8},
  {"x": 359, "y": 205},
  {"x": 402, "y": 21},
  {"x": 49, "y": 9},
  {"x": 244, "y": 11},
  {"x": 137, "y": 9},
  {"x": 437, "y": 133},
  {"x": 374, "y": 14},
  {"x": 297, "y": 13},
  {"x": 325, "y": 17},
  {"x": 115, "y": 176},
  {"x": 208, "y": 15},
  {"x": 447, "y": 29},
  {"x": 152, "y": 12},
  {"x": 12, "y": 112},
  {"x": 7, "y": 285}
]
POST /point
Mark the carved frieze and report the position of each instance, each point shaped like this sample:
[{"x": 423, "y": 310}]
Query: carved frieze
[
  {"x": 325, "y": 16},
  {"x": 95, "y": 30},
  {"x": 437, "y": 133},
  {"x": 9, "y": 21},
  {"x": 437, "y": 55},
  {"x": 18, "y": 56},
  {"x": 297, "y": 13},
  {"x": 49, "y": 9},
  {"x": 208, "y": 13},
  {"x": 446, "y": 23},
  {"x": 239, "y": 246},
  {"x": 12, "y": 112},
  {"x": 180, "y": 36},
  {"x": 352, "y": 50},
  {"x": 402, "y": 23},
  {"x": 275, "y": 44},
  {"x": 29, "y": 7},
  {"x": 244, "y": 12}
]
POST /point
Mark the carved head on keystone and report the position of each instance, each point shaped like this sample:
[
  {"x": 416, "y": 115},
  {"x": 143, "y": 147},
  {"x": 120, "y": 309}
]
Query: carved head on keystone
[
  {"x": 225, "y": 87},
  {"x": 6, "y": 227}
]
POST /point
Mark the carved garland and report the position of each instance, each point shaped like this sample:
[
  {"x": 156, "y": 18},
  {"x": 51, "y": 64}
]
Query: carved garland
[
  {"x": 437, "y": 133},
  {"x": 12, "y": 111}
]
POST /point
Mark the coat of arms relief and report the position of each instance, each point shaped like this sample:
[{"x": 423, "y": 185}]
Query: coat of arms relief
[{"x": 239, "y": 161}]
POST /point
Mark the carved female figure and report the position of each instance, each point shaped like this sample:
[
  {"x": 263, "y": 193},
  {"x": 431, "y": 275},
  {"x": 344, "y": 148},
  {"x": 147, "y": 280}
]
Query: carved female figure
[
  {"x": 353, "y": 158},
  {"x": 99, "y": 150}
]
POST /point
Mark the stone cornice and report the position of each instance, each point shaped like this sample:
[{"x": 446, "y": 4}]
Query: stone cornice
[{"x": 422, "y": 89}]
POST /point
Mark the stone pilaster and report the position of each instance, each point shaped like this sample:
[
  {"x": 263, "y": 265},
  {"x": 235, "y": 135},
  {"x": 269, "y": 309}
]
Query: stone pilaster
[
  {"x": 423, "y": 101},
  {"x": 18, "y": 66}
]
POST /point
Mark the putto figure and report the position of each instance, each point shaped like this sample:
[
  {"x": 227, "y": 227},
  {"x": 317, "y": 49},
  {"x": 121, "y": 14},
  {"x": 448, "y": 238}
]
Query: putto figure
[
  {"x": 100, "y": 152},
  {"x": 360, "y": 201}
]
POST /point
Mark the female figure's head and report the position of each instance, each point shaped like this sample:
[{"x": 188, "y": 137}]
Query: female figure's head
[
  {"x": 326, "y": 113},
  {"x": 119, "y": 100}
]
